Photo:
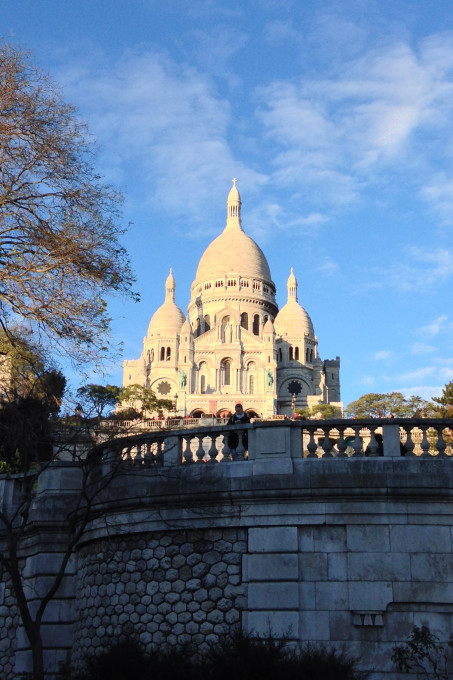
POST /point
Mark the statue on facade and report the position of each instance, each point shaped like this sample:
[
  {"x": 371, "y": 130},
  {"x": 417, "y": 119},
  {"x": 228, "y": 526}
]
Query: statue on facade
[
  {"x": 269, "y": 378},
  {"x": 182, "y": 380}
]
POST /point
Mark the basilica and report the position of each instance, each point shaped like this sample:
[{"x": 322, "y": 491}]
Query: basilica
[{"x": 235, "y": 345}]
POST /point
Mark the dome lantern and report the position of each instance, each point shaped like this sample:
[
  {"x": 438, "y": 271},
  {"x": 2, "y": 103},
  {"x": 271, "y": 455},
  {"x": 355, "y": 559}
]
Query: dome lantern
[{"x": 233, "y": 209}]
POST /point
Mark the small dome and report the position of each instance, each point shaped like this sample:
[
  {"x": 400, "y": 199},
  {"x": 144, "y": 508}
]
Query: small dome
[
  {"x": 168, "y": 319},
  {"x": 186, "y": 327},
  {"x": 268, "y": 327},
  {"x": 292, "y": 319}
]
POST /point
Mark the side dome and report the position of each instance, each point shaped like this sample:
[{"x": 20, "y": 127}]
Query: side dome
[
  {"x": 168, "y": 319},
  {"x": 292, "y": 319},
  {"x": 233, "y": 251}
]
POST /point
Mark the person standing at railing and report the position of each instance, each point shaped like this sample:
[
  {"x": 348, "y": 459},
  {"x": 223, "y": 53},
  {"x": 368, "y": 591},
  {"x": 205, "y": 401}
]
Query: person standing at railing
[{"x": 239, "y": 417}]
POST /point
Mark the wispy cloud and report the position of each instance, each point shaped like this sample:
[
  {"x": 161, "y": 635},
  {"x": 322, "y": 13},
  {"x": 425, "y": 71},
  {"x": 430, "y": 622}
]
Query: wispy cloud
[
  {"x": 422, "y": 348},
  {"x": 432, "y": 329},
  {"x": 383, "y": 355},
  {"x": 328, "y": 268},
  {"x": 424, "y": 391},
  {"x": 418, "y": 374},
  {"x": 168, "y": 122},
  {"x": 340, "y": 131},
  {"x": 419, "y": 269}
]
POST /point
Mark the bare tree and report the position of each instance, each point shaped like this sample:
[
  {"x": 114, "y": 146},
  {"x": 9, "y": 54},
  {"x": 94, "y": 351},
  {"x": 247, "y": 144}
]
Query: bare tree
[
  {"x": 60, "y": 250},
  {"x": 18, "y": 512}
]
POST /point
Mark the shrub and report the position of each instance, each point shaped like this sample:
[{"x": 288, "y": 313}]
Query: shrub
[
  {"x": 238, "y": 656},
  {"x": 424, "y": 653}
]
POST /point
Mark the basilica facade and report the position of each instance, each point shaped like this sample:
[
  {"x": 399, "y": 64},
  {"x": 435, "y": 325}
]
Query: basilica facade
[{"x": 234, "y": 345}]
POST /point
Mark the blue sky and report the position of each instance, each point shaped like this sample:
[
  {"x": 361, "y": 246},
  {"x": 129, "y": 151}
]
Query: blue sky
[{"x": 337, "y": 120}]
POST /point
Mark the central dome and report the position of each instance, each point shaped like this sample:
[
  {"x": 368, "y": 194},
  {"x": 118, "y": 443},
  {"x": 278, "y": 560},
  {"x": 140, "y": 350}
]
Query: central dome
[
  {"x": 233, "y": 251},
  {"x": 236, "y": 253}
]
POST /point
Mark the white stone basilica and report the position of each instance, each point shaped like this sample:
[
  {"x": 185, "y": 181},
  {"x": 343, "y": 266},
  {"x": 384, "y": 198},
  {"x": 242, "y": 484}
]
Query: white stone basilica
[{"x": 235, "y": 345}]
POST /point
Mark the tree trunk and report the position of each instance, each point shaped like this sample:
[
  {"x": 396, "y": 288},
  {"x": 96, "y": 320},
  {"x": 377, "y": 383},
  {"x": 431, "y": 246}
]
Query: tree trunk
[{"x": 38, "y": 657}]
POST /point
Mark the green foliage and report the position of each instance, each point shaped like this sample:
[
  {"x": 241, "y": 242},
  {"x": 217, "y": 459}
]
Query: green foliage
[
  {"x": 444, "y": 403},
  {"x": 31, "y": 394},
  {"x": 381, "y": 405},
  {"x": 97, "y": 398},
  {"x": 424, "y": 653},
  {"x": 144, "y": 399},
  {"x": 320, "y": 411},
  {"x": 129, "y": 413},
  {"x": 238, "y": 656}
]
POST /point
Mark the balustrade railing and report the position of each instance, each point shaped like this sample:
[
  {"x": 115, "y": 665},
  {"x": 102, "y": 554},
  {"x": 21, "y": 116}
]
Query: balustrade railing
[{"x": 264, "y": 440}]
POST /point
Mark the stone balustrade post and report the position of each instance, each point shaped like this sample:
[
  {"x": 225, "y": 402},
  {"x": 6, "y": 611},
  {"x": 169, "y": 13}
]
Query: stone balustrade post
[
  {"x": 274, "y": 441},
  {"x": 391, "y": 441},
  {"x": 172, "y": 451}
]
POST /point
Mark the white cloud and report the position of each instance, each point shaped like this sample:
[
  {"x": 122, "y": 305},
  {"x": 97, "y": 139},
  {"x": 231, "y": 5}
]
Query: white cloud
[
  {"x": 424, "y": 391},
  {"x": 446, "y": 373},
  {"x": 340, "y": 131},
  {"x": 383, "y": 354},
  {"x": 368, "y": 380},
  {"x": 165, "y": 122},
  {"x": 328, "y": 268},
  {"x": 432, "y": 329},
  {"x": 422, "y": 348},
  {"x": 418, "y": 374},
  {"x": 420, "y": 269}
]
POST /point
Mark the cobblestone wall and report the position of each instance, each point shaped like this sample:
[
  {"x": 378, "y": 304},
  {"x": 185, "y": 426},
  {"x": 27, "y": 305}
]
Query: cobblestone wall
[
  {"x": 173, "y": 588},
  {"x": 9, "y": 620}
]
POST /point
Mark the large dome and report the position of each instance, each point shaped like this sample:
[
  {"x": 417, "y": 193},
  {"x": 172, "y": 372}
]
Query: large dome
[
  {"x": 168, "y": 319},
  {"x": 233, "y": 251},
  {"x": 236, "y": 253}
]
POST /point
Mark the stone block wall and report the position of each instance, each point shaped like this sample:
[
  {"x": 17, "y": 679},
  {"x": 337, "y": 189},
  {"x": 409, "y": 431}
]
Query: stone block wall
[
  {"x": 166, "y": 588},
  {"x": 9, "y": 621},
  {"x": 345, "y": 552},
  {"x": 362, "y": 586}
]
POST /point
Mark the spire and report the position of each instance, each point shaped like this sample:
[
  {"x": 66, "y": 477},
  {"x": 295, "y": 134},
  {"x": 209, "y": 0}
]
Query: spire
[
  {"x": 170, "y": 287},
  {"x": 233, "y": 209},
  {"x": 292, "y": 287}
]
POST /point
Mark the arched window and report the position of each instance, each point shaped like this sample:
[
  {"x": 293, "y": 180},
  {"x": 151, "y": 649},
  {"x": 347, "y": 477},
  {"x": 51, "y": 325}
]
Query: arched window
[
  {"x": 307, "y": 355},
  {"x": 251, "y": 384},
  {"x": 245, "y": 320},
  {"x": 162, "y": 353},
  {"x": 311, "y": 355},
  {"x": 226, "y": 372},
  {"x": 291, "y": 354},
  {"x": 152, "y": 355},
  {"x": 256, "y": 324},
  {"x": 207, "y": 323},
  {"x": 203, "y": 372},
  {"x": 280, "y": 354},
  {"x": 296, "y": 354},
  {"x": 168, "y": 353}
]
